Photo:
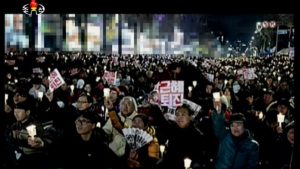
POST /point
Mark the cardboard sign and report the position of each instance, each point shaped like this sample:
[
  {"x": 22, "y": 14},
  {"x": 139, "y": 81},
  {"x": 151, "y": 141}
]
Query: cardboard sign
[
  {"x": 171, "y": 93},
  {"x": 55, "y": 80}
]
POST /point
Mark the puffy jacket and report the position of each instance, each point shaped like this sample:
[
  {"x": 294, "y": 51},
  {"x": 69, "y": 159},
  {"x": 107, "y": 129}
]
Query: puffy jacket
[{"x": 234, "y": 153}]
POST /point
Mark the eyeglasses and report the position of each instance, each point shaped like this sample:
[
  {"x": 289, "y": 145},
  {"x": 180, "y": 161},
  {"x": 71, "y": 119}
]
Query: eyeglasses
[{"x": 82, "y": 122}]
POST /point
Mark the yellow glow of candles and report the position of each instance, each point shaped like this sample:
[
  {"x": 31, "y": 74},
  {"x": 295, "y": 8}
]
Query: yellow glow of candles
[
  {"x": 187, "y": 163},
  {"x": 16, "y": 80},
  {"x": 280, "y": 118},
  {"x": 49, "y": 70},
  {"x": 279, "y": 78},
  {"x": 190, "y": 88},
  {"x": 88, "y": 71}
]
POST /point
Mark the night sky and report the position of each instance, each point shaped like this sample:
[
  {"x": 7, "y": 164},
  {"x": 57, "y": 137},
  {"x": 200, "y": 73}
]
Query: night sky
[{"x": 235, "y": 27}]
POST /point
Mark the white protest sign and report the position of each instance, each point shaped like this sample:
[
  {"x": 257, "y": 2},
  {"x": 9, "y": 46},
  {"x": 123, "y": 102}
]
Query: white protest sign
[
  {"x": 248, "y": 74},
  {"x": 171, "y": 93},
  {"x": 55, "y": 80},
  {"x": 110, "y": 77}
]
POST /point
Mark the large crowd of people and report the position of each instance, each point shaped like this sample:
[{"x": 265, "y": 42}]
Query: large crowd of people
[{"x": 251, "y": 125}]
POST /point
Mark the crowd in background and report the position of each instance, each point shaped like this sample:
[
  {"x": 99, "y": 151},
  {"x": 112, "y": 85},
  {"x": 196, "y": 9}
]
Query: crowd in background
[{"x": 80, "y": 128}]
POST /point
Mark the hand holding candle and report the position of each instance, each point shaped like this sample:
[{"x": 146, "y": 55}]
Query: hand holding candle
[
  {"x": 40, "y": 95},
  {"x": 216, "y": 96},
  {"x": 72, "y": 89},
  {"x": 31, "y": 131},
  {"x": 106, "y": 92},
  {"x": 260, "y": 115},
  {"x": 187, "y": 163},
  {"x": 162, "y": 149},
  {"x": 6, "y": 98},
  {"x": 190, "y": 88},
  {"x": 225, "y": 82},
  {"x": 280, "y": 118}
]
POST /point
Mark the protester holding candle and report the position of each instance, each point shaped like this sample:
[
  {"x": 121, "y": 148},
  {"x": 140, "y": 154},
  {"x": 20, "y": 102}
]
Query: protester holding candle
[
  {"x": 282, "y": 152},
  {"x": 30, "y": 151},
  {"x": 119, "y": 120},
  {"x": 237, "y": 150},
  {"x": 184, "y": 141}
]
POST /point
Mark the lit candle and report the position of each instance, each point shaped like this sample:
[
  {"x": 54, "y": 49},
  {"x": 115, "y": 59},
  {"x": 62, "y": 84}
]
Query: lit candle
[
  {"x": 280, "y": 118},
  {"x": 6, "y": 97},
  {"x": 194, "y": 83},
  {"x": 88, "y": 70},
  {"x": 97, "y": 79},
  {"x": 31, "y": 131},
  {"x": 190, "y": 88},
  {"x": 104, "y": 67},
  {"x": 187, "y": 163},
  {"x": 162, "y": 149},
  {"x": 279, "y": 78},
  {"x": 225, "y": 81},
  {"x": 217, "y": 96},
  {"x": 98, "y": 125},
  {"x": 49, "y": 70},
  {"x": 106, "y": 92},
  {"x": 72, "y": 89},
  {"x": 40, "y": 95},
  {"x": 16, "y": 80},
  {"x": 260, "y": 115}
]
